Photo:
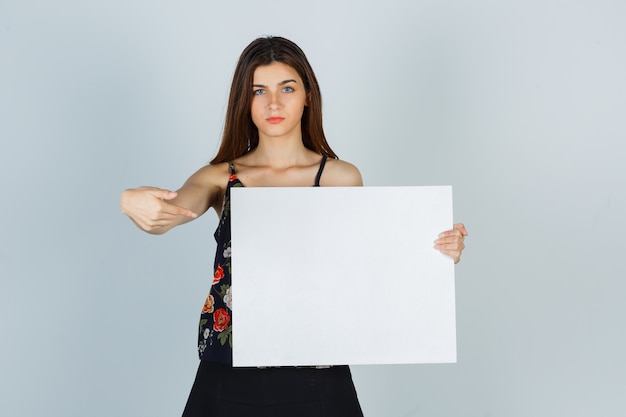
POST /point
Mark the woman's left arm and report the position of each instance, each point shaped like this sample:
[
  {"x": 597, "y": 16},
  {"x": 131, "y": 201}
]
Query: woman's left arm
[
  {"x": 341, "y": 173},
  {"x": 452, "y": 242}
]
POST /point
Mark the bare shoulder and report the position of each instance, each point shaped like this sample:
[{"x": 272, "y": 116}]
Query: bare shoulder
[
  {"x": 205, "y": 187},
  {"x": 338, "y": 173},
  {"x": 211, "y": 175}
]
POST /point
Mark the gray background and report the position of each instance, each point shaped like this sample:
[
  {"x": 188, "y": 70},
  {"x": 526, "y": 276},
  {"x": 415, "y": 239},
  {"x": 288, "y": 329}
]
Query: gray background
[{"x": 520, "y": 105}]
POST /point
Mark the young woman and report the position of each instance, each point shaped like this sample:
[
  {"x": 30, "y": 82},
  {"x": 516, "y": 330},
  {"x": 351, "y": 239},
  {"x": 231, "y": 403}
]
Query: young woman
[{"x": 272, "y": 137}]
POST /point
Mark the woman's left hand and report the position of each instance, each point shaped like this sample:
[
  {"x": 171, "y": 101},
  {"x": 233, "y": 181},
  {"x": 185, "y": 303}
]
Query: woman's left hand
[{"x": 452, "y": 242}]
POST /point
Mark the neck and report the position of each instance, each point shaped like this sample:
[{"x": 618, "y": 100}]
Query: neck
[{"x": 280, "y": 152}]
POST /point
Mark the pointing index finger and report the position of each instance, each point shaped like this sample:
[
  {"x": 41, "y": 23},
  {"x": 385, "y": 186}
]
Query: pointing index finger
[{"x": 177, "y": 210}]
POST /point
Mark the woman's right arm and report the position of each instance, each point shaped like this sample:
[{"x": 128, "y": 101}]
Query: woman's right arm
[{"x": 155, "y": 210}]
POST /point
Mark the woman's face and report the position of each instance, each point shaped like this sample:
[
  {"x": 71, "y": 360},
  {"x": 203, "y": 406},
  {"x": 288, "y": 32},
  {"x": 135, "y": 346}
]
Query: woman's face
[{"x": 278, "y": 101}]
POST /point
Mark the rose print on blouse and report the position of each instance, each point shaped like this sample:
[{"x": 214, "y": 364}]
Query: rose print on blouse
[
  {"x": 228, "y": 299},
  {"x": 221, "y": 318},
  {"x": 208, "y": 305},
  {"x": 219, "y": 274}
]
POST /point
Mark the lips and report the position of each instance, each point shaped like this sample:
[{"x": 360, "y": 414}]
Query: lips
[{"x": 274, "y": 119}]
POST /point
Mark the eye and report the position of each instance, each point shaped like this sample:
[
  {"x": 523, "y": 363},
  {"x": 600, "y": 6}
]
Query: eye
[
  {"x": 258, "y": 92},
  {"x": 288, "y": 90}
]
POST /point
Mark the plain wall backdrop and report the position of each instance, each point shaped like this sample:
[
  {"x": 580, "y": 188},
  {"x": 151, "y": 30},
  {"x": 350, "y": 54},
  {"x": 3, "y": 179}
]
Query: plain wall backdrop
[{"x": 519, "y": 105}]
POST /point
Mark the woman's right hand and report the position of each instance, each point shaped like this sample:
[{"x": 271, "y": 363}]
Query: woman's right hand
[{"x": 151, "y": 210}]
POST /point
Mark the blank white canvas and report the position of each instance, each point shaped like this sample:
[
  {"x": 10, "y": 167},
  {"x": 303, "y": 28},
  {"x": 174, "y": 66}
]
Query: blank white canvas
[{"x": 341, "y": 275}]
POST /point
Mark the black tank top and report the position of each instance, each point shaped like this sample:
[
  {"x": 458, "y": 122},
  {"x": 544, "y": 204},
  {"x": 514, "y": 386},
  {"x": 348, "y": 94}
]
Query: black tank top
[{"x": 215, "y": 337}]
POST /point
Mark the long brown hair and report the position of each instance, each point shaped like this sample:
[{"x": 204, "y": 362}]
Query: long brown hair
[{"x": 240, "y": 134}]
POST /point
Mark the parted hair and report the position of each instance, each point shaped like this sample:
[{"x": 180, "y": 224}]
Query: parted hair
[{"x": 240, "y": 134}]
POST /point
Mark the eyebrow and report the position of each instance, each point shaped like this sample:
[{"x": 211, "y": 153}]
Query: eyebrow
[{"x": 280, "y": 83}]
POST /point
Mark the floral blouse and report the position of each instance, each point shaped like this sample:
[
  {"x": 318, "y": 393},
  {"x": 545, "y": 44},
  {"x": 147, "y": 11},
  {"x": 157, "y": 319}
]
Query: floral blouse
[
  {"x": 215, "y": 332},
  {"x": 215, "y": 337}
]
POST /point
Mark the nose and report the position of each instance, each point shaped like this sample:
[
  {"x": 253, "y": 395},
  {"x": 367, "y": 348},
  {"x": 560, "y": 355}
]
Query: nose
[{"x": 274, "y": 103}]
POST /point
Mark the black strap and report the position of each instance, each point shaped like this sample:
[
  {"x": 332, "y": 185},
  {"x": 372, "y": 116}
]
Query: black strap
[
  {"x": 319, "y": 171},
  {"x": 317, "y": 177}
]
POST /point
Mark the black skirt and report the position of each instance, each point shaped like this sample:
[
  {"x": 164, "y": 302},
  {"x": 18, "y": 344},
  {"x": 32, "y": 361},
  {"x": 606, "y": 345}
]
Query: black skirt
[{"x": 223, "y": 391}]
